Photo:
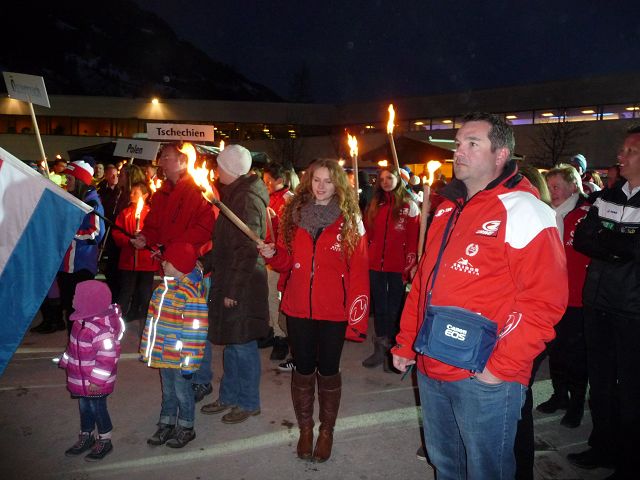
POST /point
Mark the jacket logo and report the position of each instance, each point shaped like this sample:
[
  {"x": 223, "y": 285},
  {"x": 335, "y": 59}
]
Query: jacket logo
[
  {"x": 463, "y": 265},
  {"x": 442, "y": 211},
  {"x": 472, "y": 249},
  {"x": 489, "y": 229},
  {"x": 358, "y": 309},
  {"x": 455, "y": 333},
  {"x": 337, "y": 247}
]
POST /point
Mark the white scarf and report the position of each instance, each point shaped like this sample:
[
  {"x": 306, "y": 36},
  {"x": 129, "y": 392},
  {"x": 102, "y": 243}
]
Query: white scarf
[{"x": 563, "y": 209}]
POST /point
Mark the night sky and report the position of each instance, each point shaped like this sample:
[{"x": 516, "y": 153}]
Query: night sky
[{"x": 377, "y": 50}]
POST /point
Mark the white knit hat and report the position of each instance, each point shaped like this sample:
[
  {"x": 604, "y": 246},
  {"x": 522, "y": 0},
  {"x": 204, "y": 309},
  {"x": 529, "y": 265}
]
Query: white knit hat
[{"x": 235, "y": 160}]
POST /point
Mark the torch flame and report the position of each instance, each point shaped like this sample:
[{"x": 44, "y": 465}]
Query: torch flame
[
  {"x": 353, "y": 145},
  {"x": 392, "y": 117},
  {"x": 155, "y": 185},
  {"x": 221, "y": 145},
  {"x": 199, "y": 174},
  {"x": 139, "y": 206},
  {"x": 432, "y": 166}
]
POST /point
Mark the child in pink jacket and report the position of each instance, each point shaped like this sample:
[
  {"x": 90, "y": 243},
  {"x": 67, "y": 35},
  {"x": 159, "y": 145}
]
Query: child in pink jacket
[{"x": 91, "y": 362}]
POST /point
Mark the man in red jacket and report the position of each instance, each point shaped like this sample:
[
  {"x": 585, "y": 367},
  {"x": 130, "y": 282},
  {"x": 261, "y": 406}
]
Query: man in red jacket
[
  {"x": 503, "y": 259},
  {"x": 180, "y": 214}
]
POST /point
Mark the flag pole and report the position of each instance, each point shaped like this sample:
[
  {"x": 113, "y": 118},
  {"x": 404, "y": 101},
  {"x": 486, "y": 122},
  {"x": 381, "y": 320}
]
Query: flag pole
[{"x": 45, "y": 166}]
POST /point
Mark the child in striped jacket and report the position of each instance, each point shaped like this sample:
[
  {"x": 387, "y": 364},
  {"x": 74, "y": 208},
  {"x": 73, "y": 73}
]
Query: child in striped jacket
[
  {"x": 174, "y": 340},
  {"x": 91, "y": 360}
]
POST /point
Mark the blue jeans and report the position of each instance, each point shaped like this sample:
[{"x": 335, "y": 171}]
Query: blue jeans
[
  {"x": 240, "y": 384},
  {"x": 470, "y": 427},
  {"x": 204, "y": 374},
  {"x": 178, "y": 402},
  {"x": 93, "y": 412}
]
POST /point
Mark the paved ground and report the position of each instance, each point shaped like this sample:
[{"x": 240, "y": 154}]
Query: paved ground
[{"x": 376, "y": 438}]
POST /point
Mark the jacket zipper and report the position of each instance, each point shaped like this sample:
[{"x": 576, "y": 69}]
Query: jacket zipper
[
  {"x": 313, "y": 269},
  {"x": 84, "y": 388}
]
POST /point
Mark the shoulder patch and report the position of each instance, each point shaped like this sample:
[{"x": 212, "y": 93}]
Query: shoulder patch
[{"x": 526, "y": 217}]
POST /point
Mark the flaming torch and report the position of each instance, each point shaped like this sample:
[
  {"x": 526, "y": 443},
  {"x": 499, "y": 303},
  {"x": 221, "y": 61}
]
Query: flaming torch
[
  {"x": 139, "y": 207},
  {"x": 200, "y": 177},
  {"x": 392, "y": 117},
  {"x": 432, "y": 166},
  {"x": 353, "y": 146},
  {"x": 221, "y": 145}
]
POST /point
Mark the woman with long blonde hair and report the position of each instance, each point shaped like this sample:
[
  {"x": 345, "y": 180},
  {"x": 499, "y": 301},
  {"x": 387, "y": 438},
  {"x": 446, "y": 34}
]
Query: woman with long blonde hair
[{"x": 322, "y": 251}]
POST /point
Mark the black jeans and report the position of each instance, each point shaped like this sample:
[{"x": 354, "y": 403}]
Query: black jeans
[
  {"x": 316, "y": 344},
  {"x": 387, "y": 296},
  {"x": 612, "y": 346},
  {"x": 135, "y": 293}
]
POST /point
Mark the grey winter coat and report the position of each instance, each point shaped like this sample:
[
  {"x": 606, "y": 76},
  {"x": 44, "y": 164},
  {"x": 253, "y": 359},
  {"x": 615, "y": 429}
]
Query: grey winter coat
[{"x": 238, "y": 271}]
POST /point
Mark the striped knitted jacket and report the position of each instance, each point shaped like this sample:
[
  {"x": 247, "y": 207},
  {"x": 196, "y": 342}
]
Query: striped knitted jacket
[
  {"x": 177, "y": 322},
  {"x": 92, "y": 353}
]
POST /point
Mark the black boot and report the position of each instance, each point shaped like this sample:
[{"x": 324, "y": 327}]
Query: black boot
[
  {"x": 280, "y": 349},
  {"x": 575, "y": 409},
  {"x": 380, "y": 346}
]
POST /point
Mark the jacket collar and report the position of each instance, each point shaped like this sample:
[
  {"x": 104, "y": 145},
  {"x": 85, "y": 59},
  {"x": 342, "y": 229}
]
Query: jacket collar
[{"x": 456, "y": 190}]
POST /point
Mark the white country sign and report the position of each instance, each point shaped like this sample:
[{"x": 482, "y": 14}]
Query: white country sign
[
  {"x": 132, "y": 148},
  {"x": 28, "y": 88},
  {"x": 180, "y": 131}
]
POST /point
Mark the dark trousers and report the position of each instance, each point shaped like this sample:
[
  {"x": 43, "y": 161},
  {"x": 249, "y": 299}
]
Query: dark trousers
[
  {"x": 524, "y": 445},
  {"x": 316, "y": 344},
  {"x": 387, "y": 296},
  {"x": 135, "y": 293},
  {"x": 67, "y": 283},
  {"x": 568, "y": 356},
  {"x": 612, "y": 356}
]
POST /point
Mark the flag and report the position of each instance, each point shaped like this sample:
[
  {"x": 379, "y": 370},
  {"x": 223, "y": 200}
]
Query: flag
[{"x": 38, "y": 221}]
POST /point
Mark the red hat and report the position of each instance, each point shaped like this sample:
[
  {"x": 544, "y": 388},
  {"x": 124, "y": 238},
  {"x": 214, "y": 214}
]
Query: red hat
[
  {"x": 81, "y": 170},
  {"x": 92, "y": 298},
  {"x": 182, "y": 256}
]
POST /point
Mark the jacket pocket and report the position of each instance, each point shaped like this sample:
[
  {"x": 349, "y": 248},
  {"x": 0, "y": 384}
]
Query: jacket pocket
[{"x": 170, "y": 353}]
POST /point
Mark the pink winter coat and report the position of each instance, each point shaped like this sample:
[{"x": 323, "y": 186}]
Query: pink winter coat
[{"x": 92, "y": 353}]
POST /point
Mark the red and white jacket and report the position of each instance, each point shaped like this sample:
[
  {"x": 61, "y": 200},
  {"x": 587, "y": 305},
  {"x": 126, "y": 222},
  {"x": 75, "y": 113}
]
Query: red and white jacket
[
  {"x": 132, "y": 259},
  {"x": 393, "y": 243},
  {"x": 322, "y": 283},
  {"x": 504, "y": 259}
]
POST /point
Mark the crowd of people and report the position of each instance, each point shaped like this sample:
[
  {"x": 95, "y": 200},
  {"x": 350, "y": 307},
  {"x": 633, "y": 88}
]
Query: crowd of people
[{"x": 517, "y": 266}]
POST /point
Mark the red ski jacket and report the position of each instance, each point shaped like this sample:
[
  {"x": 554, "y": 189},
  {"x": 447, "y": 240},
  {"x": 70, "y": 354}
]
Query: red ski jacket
[
  {"x": 130, "y": 258},
  {"x": 393, "y": 243},
  {"x": 179, "y": 213},
  {"x": 322, "y": 284},
  {"x": 503, "y": 259}
]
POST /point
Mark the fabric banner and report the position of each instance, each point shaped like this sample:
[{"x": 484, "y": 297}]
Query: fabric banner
[{"x": 38, "y": 220}]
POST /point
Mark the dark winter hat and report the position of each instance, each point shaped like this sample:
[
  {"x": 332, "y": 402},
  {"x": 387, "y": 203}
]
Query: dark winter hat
[
  {"x": 92, "y": 298},
  {"x": 81, "y": 170},
  {"x": 235, "y": 159},
  {"x": 182, "y": 256}
]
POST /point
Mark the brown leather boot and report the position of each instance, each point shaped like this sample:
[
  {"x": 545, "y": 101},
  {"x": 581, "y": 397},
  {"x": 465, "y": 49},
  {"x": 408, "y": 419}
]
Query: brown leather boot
[
  {"x": 303, "y": 389},
  {"x": 329, "y": 392}
]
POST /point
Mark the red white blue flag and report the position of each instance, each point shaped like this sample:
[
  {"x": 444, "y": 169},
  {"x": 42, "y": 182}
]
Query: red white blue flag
[{"x": 38, "y": 221}]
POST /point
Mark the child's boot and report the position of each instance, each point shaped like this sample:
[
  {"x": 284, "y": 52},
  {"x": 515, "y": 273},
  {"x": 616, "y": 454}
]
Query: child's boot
[
  {"x": 100, "y": 449},
  {"x": 181, "y": 436},
  {"x": 84, "y": 443}
]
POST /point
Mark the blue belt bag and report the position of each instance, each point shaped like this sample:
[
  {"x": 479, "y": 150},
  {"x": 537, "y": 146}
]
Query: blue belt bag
[
  {"x": 454, "y": 335},
  {"x": 457, "y": 337}
]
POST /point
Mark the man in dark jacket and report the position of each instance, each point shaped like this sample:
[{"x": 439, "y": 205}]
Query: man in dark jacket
[
  {"x": 610, "y": 235},
  {"x": 238, "y": 299}
]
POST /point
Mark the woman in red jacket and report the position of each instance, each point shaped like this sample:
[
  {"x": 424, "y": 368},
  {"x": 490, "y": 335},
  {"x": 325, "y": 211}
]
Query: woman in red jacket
[
  {"x": 392, "y": 220},
  {"x": 323, "y": 250},
  {"x": 136, "y": 267}
]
